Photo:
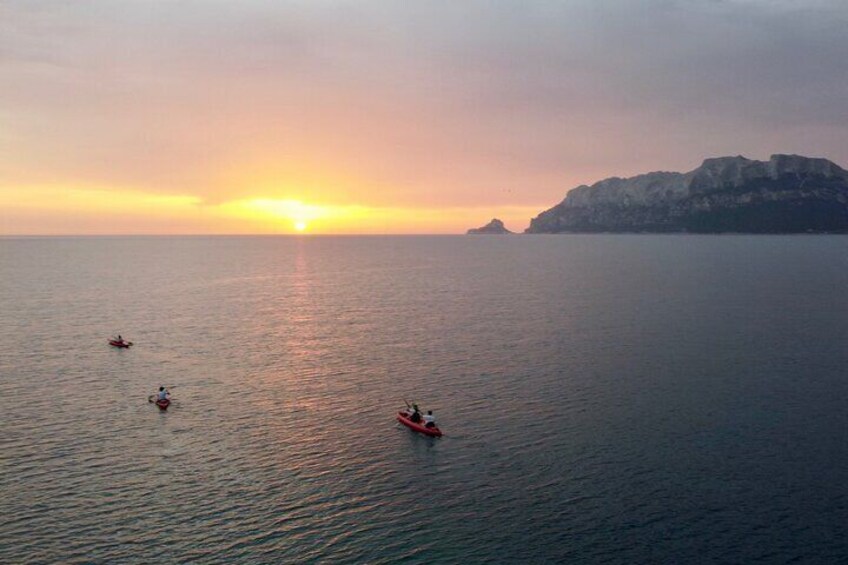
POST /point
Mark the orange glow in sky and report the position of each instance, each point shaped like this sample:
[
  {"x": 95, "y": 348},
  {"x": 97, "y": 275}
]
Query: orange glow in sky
[
  {"x": 97, "y": 210},
  {"x": 389, "y": 117}
]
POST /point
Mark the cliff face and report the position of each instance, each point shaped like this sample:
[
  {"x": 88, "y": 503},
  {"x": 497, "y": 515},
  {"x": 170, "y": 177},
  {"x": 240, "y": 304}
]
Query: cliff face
[
  {"x": 786, "y": 194},
  {"x": 495, "y": 227}
]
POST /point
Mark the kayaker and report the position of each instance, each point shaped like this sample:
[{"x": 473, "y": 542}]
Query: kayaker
[
  {"x": 429, "y": 420},
  {"x": 416, "y": 414},
  {"x": 163, "y": 394}
]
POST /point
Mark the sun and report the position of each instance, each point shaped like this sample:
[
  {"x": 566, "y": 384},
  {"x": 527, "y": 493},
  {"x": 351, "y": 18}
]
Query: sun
[{"x": 300, "y": 226}]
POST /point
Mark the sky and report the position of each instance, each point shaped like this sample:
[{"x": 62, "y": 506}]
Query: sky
[{"x": 274, "y": 116}]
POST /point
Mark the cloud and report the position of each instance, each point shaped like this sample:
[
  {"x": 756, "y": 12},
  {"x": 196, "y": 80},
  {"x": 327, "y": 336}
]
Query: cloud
[{"x": 403, "y": 104}]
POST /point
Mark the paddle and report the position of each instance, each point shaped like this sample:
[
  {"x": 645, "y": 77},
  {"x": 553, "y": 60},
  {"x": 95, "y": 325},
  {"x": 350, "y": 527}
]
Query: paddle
[
  {"x": 409, "y": 406},
  {"x": 411, "y": 411}
]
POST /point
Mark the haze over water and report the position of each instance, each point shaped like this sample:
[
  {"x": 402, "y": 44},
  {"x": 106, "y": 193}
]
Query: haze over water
[{"x": 623, "y": 399}]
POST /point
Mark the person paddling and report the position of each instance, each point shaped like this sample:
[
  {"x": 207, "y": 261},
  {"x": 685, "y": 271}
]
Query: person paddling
[
  {"x": 429, "y": 420},
  {"x": 415, "y": 413},
  {"x": 163, "y": 394}
]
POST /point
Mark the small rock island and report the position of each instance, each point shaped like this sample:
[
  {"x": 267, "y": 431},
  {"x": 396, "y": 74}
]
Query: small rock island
[
  {"x": 786, "y": 194},
  {"x": 495, "y": 227}
]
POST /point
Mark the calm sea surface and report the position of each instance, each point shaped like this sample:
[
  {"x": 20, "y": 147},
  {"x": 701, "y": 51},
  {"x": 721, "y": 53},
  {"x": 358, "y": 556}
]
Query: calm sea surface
[{"x": 618, "y": 399}]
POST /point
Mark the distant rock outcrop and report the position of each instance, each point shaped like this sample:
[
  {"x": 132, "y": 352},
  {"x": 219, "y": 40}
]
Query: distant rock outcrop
[
  {"x": 786, "y": 194},
  {"x": 495, "y": 227}
]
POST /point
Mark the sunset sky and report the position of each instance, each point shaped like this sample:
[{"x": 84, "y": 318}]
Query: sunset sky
[{"x": 133, "y": 117}]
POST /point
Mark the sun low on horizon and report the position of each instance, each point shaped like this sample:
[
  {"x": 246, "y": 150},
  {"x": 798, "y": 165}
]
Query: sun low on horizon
[
  {"x": 311, "y": 118},
  {"x": 63, "y": 210}
]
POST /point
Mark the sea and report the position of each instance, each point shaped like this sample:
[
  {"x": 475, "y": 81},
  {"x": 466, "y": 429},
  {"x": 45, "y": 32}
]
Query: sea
[{"x": 604, "y": 399}]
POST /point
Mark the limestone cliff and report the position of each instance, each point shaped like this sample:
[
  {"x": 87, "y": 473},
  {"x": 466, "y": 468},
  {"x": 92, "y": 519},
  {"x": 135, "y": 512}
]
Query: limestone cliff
[{"x": 786, "y": 194}]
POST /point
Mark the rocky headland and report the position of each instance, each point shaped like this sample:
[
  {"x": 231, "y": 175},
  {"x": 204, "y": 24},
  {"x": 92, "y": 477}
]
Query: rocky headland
[
  {"x": 495, "y": 227},
  {"x": 786, "y": 194}
]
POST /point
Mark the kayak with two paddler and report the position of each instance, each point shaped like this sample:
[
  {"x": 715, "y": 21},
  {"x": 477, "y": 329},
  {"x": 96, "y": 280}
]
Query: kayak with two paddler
[{"x": 404, "y": 418}]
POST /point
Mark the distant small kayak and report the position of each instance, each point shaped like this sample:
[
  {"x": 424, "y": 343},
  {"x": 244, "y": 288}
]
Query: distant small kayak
[
  {"x": 122, "y": 343},
  {"x": 403, "y": 418},
  {"x": 163, "y": 404}
]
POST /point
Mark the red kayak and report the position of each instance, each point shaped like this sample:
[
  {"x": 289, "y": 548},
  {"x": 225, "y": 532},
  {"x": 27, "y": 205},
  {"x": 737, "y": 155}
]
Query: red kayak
[
  {"x": 163, "y": 404},
  {"x": 403, "y": 418},
  {"x": 116, "y": 343}
]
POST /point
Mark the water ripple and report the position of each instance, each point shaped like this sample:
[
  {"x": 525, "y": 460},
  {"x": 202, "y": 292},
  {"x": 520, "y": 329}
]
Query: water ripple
[{"x": 606, "y": 399}]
